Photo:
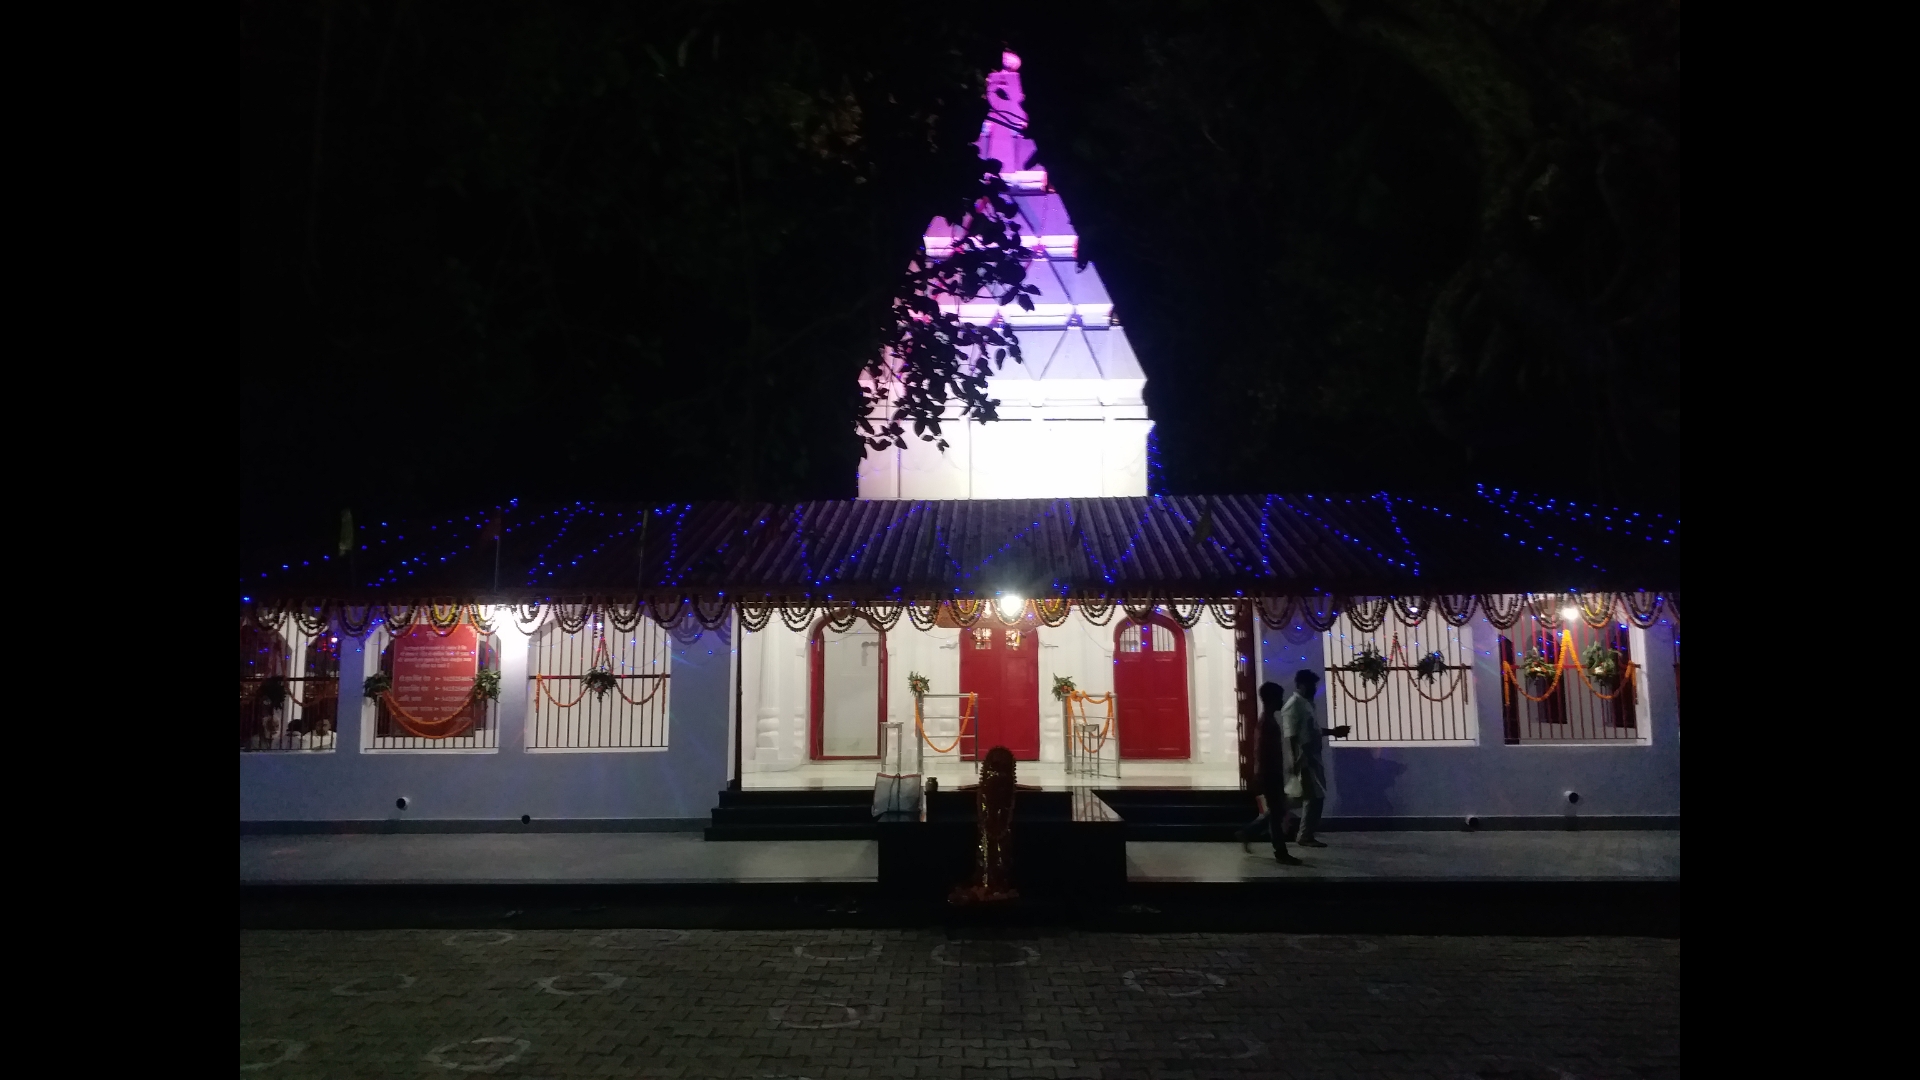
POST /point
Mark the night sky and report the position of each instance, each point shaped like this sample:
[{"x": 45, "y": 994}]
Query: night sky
[{"x": 640, "y": 252}]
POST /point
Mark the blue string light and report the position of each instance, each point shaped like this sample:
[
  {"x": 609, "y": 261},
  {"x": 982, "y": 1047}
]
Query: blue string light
[
  {"x": 1394, "y": 519},
  {"x": 1524, "y": 518},
  {"x": 1338, "y": 531},
  {"x": 1628, "y": 522},
  {"x": 1563, "y": 548},
  {"x": 1156, "y": 469}
]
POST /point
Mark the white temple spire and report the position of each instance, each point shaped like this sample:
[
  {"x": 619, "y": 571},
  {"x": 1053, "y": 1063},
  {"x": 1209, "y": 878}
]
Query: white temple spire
[{"x": 1073, "y": 418}]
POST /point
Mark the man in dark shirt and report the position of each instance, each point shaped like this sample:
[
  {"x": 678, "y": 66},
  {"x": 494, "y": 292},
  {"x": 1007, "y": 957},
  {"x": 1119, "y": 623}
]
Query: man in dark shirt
[{"x": 1270, "y": 763}]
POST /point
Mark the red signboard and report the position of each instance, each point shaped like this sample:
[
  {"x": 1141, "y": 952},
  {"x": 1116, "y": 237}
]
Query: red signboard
[{"x": 433, "y": 675}]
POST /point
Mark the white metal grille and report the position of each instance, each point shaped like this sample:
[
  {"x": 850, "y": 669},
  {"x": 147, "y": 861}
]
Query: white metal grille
[
  {"x": 568, "y": 714},
  {"x": 289, "y": 688},
  {"x": 1396, "y": 703},
  {"x": 1551, "y": 692}
]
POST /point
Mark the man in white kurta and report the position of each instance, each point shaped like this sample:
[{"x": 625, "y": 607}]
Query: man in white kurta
[{"x": 1305, "y": 738}]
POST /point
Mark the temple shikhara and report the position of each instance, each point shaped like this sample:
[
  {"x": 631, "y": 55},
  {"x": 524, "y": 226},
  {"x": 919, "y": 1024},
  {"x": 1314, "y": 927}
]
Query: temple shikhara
[
  {"x": 1073, "y": 418},
  {"x": 802, "y": 669}
]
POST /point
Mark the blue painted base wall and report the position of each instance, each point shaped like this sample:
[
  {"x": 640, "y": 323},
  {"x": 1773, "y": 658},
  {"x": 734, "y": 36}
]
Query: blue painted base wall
[
  {"x": 351, "y": 785},
  {"x": 1494, "y": 779}
]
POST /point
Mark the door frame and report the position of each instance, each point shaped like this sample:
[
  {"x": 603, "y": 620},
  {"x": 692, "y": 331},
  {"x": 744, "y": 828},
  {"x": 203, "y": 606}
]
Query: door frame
[{"x": 817, "y": 693}]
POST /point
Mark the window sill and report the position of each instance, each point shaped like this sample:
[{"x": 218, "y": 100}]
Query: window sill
[
  {"x": 430, "y": 750},
  {"x": 597, "y": 749}
]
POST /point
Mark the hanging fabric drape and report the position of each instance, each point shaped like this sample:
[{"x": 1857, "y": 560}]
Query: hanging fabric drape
[{"x": 688, "y": 617}]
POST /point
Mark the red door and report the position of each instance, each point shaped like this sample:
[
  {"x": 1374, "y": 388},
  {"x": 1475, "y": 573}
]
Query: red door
[
  {"x": 1002, "y": 665},
  {"x": 1150, "y": 678}
]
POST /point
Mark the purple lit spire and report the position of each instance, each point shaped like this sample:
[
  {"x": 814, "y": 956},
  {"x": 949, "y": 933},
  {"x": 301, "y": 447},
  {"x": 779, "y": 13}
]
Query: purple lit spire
[{"x": 1078, "y": 365}]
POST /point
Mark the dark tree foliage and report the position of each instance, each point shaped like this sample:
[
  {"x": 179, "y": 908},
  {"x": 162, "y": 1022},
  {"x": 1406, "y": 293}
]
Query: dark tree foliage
[
  {"x": 587, "y": 250},
  {"x": 1393, "y": 243},
  {"x": 932, "y": 357},
  {"x": 604, "y": 250}
]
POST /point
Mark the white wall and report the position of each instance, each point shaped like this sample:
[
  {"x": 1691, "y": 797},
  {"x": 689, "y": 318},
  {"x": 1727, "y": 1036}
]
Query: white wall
[
  {"x": 1210, "y": 686},
  {"x": 347, "y": 784},
  {"x": 775, "y": 672},
  {"x": 1027, "y": 454},
  {"x": 936, "y": 654}
]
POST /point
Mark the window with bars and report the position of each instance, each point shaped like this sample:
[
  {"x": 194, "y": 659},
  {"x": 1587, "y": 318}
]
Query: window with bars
[
  {"x": 289, "y": 688},
  {"x": 1401, "y": 685},
  {"x": 601, "y": 689},
  {"x": 433, "y": 701},
  {"x": 1572, "y": 683},
  {"x": 1132, "y": 641}
]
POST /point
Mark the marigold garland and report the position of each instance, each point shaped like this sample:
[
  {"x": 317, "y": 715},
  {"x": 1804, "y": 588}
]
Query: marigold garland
[
  {"x": 966, "y": 613},
  {"x": 1076, "y": 732},
  {"x": 972, "y": 702},
  {"x": 1562, "y": 664},
  {"x": 542, "y": 690}
]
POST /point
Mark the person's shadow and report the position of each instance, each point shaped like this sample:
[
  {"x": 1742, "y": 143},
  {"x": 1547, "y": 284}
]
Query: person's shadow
[{"x": 1363, "y": 782}]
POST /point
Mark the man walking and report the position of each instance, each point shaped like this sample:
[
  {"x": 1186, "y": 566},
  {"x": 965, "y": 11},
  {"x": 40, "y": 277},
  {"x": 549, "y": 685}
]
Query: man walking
[
  {"x": 1304, "y": 738},
  {"x": 1270, "y": 765}
]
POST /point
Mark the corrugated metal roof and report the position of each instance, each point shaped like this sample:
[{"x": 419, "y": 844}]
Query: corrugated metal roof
[{"x": 1169, "y": 546}]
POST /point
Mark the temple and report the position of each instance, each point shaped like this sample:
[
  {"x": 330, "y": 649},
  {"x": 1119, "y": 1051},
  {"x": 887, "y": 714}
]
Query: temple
[
  {"x": 1073, "y": 418},
  {"x": 1501, "y": 657}
]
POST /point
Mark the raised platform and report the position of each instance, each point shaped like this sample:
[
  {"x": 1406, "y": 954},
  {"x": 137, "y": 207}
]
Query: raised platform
[
  {"x": 1149, "y": 814},
  {"x": 1604, "y": 882}
]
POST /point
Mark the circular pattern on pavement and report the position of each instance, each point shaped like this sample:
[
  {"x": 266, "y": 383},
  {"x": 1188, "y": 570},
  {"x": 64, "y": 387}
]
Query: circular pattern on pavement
[
  {"x": 1172, "y": 982},
  {"x": 593, "y": 982},
  {"x": 280, "y": 1049},
  {"x": 997, "y": 954},
  {"x": 484, "y": 1054},
  {"x": 370, "y": 985},
  {"x": 814, "y": 1015}
]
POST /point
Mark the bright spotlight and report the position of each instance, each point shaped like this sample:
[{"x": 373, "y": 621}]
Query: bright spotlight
[{"x": 1011, "y": 606}]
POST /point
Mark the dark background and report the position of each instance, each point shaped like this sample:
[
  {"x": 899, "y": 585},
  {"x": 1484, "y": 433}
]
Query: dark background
[{"x": 640, "y": 251}]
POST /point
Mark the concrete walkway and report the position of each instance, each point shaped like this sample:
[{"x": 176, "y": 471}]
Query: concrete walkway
[
  {"x": 549, "y": 858},
  {"x": 1423, "y": 856},
  {"x": 679, "y": 857}
]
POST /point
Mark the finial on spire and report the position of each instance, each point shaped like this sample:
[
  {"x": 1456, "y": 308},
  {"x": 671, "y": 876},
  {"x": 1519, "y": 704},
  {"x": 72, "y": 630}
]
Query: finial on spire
[{"x": 1009, "y": 61}]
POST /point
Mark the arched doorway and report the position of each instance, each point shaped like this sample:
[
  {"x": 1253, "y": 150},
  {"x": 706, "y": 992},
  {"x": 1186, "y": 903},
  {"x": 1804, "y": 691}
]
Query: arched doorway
[
  {"x": 847, "y": 673},
  {"x": 1150, "y": 677},
  {"x": 1002, "y": 665}
]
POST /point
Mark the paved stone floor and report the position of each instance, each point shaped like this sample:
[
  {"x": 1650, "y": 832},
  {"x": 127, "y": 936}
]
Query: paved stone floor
[{"x": 918, "y": 1003}]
